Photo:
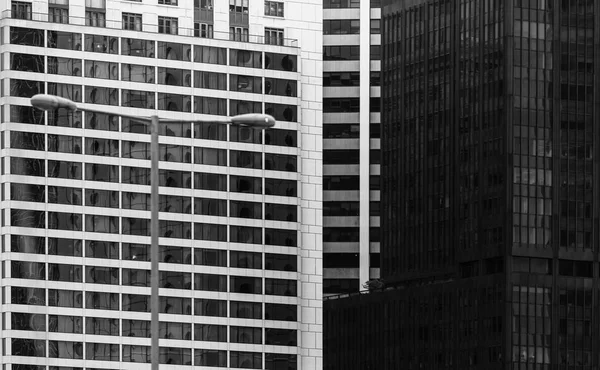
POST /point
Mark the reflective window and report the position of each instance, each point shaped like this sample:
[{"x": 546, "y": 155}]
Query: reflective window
[
  {"x": 281, "y": 62},
  {"x": 210, "y": 156},
  {"x": 175, "y": 356},
  {"x": 26, "y": 88},
  {"x": 248, "y": 84},
  {"x": 245, "y": 184},
  {"x": 210, "y": 282},
  {"x": 216, "y": 106},
  {"x": 174, "y": 77},
  {"x": 135, "y": 150},
  {"x": 65, "y": 324},
  {"x": 30, "y": 296},
  {"x": 136, "y": 226},
  {"x": 243, "y": 107},
  {"x": 247, "y": 360},
  {"x": 175, "y": 229},
  {"x": 101, "y": 198},
  {"x": 102, "y": 224},
  {"x": 175, "y": 153},
  {"x": 64, "y": 247},
  {"x": 27, "y": 192},
  {"x": 211, "y": 207},
  {"x": 136, "y": 277},
  {"x": 174, "y": 102},
  {"x": 100, "y": 69},
  {"x": 210, "y": 357},
  {"x": 245, "y": 58},
  {"x": 281, "y": 262},
  {"x": 26, "y": 36},
  {"x": 210, "y": 257},
  {"x": 341, "y": 26},
  {"x": 287, "y": 188},
  {"x": 28, "y": 270},
  {"x": 135, "y": 175},
  {"x": 28, "y": 321},
  {"x": 175, "y": 305},
  {"x": 101, "y": 172},
  {"x": 210, "y": 307},
  {"x": 65, "y": 298},
  {"x": 69, "y": 91},
  {"x": 210, "y": 332},
  {"x": 341, "y": 183},
  {"x": 102, "y": 95},
  {"x": 103, "y": 301},
  {"x": 101, "y": 326},
  {"x": 239, "y": 158},
  {"x": 102, "y": 352},
  {"x": 175, "y": 280},
  {"x": 246, "y": 310},
  {"x": 101, "y": 249},
  {"x": 281, "y": 212},
  {"x": 282, "y": 312},
  {"x": 174, "y": 51},
  {"x": 28, "y": 347},
  {"x": 27, "y": 140},
  {"x": 22, "y": 114},
  {"x": 64, "y": 40},
  {"x": 341, "y": 131},
  {"x": 102, "y": 44},
  {"x": 341, "y": 78},
  {"x": 341, "y": 234},
  {"x": 281, "y": 337},
  {"x": 248, "y": 260},
  {"x": 101, "y": 121},
  {"x": 341, "y": 105},
  {"x": 175, "y": 179},
  {"x": 137, "y": 73},
  {"x": 282, "y": 112},
  {"x": 243, "y": 334},
  {"x": 138, "y": 48},
  {"x": 276, "y": 86},
  {"x": 27, "y": 62},
  {"x": 63, "y": 272},
  {"x": 210, "y": 181},
  {"x": 139, "y": 201},
  {"x": 343, "y": 52},
  {"x": 136, "y": 328},
  {"x": 27, "y": 218},
  {"x": 210, "y": 80},
  {"x": 175, "y": 330},
  {"x": 136, "y": 303},
  {"x": 103, "y": 147},
  {"x": 137, "y": 99},
  {"x": 210, "y": 54},
  {"x": 138, "y": 252},
  {"x": 27, "y": 244},
  {"x": 175, "y": 204},
  {"x": 280, "y": 162},
  {"x": 210, "y": 131},
  {"x": 102, "y": 275},
  {"x": 64, "y": 118},
  {"x": 136, "y": 353},
  {"x": 245, "y": 234},
  {"x": 242, "y": 134},
  {"x": 64, "y": 144},
  {"x": 274, "y": 361},
  {"x": 243, "y": 209},
  {"x": 245, "y": 284},
  {"x": 281, "y": 287}
]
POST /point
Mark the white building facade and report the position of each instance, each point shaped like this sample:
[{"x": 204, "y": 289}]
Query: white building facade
[
  {"x": 241, "y": 210},
  {"x": 351, "y": 144}
]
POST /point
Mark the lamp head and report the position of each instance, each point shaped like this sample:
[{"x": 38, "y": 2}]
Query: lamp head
[
  {"x": 52, "y": 102},
  {"x": 254, "y": 120}
]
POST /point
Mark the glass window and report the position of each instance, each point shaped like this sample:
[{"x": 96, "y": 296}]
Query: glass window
[
  {"x": 175, "y": 356},
  {"x": 210, "y": 181},
  {"x": 99, "y": 69},
  {"x": 101, "y": 44},
  {"x": 137, "y": 47},
  {"x": 136, "y": 328},
  {"x": 282, "y": 312},
  {"x": 102, "y": 352},
  {"x": 27, "y": 193},
  {"x": 243, "y": 106},
  {"x": 175, "y": 153},
  {"x": 136, "y": 277},
  {"x": 63, "y": 272},
  {"x": 65, "y": 324},
  {"x": 281, "y": 337},
  {"x": 282, "y": 112},
  {"x": 171, "y": 50},
  {"x": 28, "y": 347},
  {"x": 139, "y": 252},
  {"x": 174, "y": 77},
  {"x": 64, "y": 195},
  {"x": 274, "y": 361},
  {"x": 175, "y": 280},
  {"x": 281, "y": 262},
  {"x": 103, "y": 147},
  {"x": 101, "y": 326},
  {"x": 247, "y": 260},
  {"x": 135, "y": 175},
  {"x": 176, "y": 305},
  {"x": 175, "y": 330},
  {"x": 102, "y": 198},
  {"x": 29, "y": 296},
  {"x": 210, "y": 80},
  {"x": 246, "y": 310},
  {"x": 245, "y": 234},
  {"x": 27, "y": 218},
  {"x": 65, "y": 298},
  {"x": 102, "y": 300},
  {"x": 210, "y": 282},
  {"x": 282, "y": 187},
  {"x": 174, "y": 102},
  {"x": 274, "y": 8},
  {"x": 27, "y": 36},
  {"x": 281, "y": 212},
  {"x": 281, "y": 287},
  {"x": 175, "y": 204},
  {"x": 137, "y": 73},
  {"x": 210, "y": 55},
  {"x": 101, "y": 172},
  {"x": 101, "y": 249},
  {"x": 341, "y": 52},
  {"x": 245, "y": 58},
  {"x": 280, "y": 162},
  {"x": 64, "y": 40},
  {"x": 210, "y": 257},
  {"x": 210, "y": 332},
  {"x": 244, "y": 159},
  {"x": 215, "y": 106},
  {"x": 243, "y": 209},
  {"x": 136, "y": 226},
  {"x": 245, "y": 184},
  {"x": 210, "y": 131},
  {"x": 281, "y": 62},
  {"x": 64, "y": 118},
  {"x": 247, "y": 84},
  {"x": 244, "y": 334},
  {"x": 211, "y": 207},
  {"x": 210, "y": 357},
  {"x": 175, "y": 229},
  {"x": 28, "y": 321},
  {"x": 28, "y": 244},
  {"x": 136, "y": 303},
  {"x": 245, "y": 284},
  {"x": 22, "y": 114},
  {"x": 102, "y": 275},
  {"x": 27, "y": 62},
  {"x": 210, "y": 307},
  {"x": 137, "y": 99},
  {"x": 28, "y": 270},
  {"x": 341, "y": 78},
  {"x": 26, "y": 88},
  {"x": 242, "y": 134},
  {"x": 247, "y": 360},
  {"x": 277, "y": 86},
  {"x": 101, "y": 95},
  {"x": 210, "y": 156},
  {"x": 136, "y": 353},
  {"x": 64, "y": 144}
]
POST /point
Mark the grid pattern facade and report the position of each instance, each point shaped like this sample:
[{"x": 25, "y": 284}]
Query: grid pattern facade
[
  {"x": 237, "y": 287},
  {"x": 351, "y": 92}
]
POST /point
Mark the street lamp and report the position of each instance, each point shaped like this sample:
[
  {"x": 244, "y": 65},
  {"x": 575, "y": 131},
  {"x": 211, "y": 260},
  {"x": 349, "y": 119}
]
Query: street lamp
[{"x": 254, "y": 120}]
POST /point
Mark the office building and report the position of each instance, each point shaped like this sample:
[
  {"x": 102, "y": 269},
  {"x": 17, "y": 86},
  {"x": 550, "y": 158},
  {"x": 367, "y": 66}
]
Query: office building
[
  {"x": 240, "y": 209},
  {"x": 351, "y": 122},
  {"x": 489, "y": 228}
]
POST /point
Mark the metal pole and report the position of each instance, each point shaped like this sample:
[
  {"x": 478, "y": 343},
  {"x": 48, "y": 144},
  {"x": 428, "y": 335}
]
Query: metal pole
[{"x": 154, "y": 229}]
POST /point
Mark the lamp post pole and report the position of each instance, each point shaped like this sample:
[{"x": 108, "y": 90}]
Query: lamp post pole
[
  {"x": 253, "y": 120},
  {"x": 154, "y": 277}
]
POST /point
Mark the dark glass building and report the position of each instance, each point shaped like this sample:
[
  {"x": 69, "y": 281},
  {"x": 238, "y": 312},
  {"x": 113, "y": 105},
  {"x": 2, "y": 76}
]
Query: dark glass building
[{"x": 489, "y": 215}]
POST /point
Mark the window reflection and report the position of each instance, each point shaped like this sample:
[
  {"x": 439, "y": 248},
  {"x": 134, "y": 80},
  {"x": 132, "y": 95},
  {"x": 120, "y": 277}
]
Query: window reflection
[
  {"x": 63, "y": 272},
  {"x": 64, "y": 247},
  {"x": 64, "y": 144},
  {"x": 175, "y": 305},
  {"x": 174, "y": 102},
  {"x": 101, "y": 121},
  {"x": 28, "y": 347},
  {"x": 136, "y": 302},
  {"x": 101, "y": 172},
  {"x": 65, "y": 298},
  {"x": 210, "y": 282},
  {"x": 245, "y": 209},
  {"x": 246, "y": 310},
  {"x": 250, "y": 260},
  {"x": 139, "y": 252},
  {"x": 137, "y": 73},
  {"x": 64, "y": 118},
  {"x": 281, "y": 212},
  {"x": 209, "y": 206},
  {"x": 283, "y": 312},
  {"x": 28, "y": 270},
  {"x": 136, "y": 175},
  {"x": 210, "y": 54},
  {"x": 65, "y": 324},
  {"x": 28, "y": 321},
  {"x": 174, "y": 51},
  {"x": 27, "y": 192},
  {"x": 102, "y": 301},
  {"x": 282, "y": 112},
  {"x": 210, "y": 257},
  {"x": 137, "y": 99},
  {"x": 102, "y": 275},
  {"x": 65, "y": 221},
  {"x": 281, "y": 287},
  {"x": 176, "y": 356},
  {"x": 28, "y": 296},
  {"x": 69, "y": 91},
  {"x": 102, "y": 352},
  {"x": 102, "y": 198},
  {"x": 175, "y": 254},
  {"x": 27, "y": 244},
  {"x": 216, "y": 106},
  {"x": 245, "y": 184},
  {"x": 64, "y": 40},
  {"x": 137, "y": 47},
  {"x": 245, "y": 234},
  {"x": 175, "y": 153},
  {"x": 247, "y": 360},
  {"x": 136, "y": 328},
  {"x": 242, "y": 334},
  {"x": 210, "y": 156},
  {"x": 61, "y": 349},
  {"x": 175, "y": 179},
  {"x": 210, "y": 307},
  {"x": 210, "y": 332},
  {"x": 288, "y": 238},
  {"x": 101, "y": 326},
  {"x": 65, "y": 170},
  {"x": 281, "y": 337},
  {"x": 214, "y": 232},
  {"x": 64, "y": 66},
  {"x": 27, "y": 166},
  {"x": 280, "y": 162},
  {"x": 27, "y": 218},
  {"x": 245, "y": 284},
  {"x": 136, "y": 353},
  {"x": 64, "y": 195},
  {"x": 26, "y": 36},
  {"x": 175, "y": 330},
  {"x": 245, "y": 159},
  {"x": 136, "y": 226},
  {"x": 26, "y": 62},
  {"x": 22, "y": 114}
]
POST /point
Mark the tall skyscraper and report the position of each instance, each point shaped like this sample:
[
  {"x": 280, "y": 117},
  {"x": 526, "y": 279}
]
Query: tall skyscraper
[
  {"x": 351, "y": 92},
  {"x": 240, "y": 210},
  {"x": 489, "y": 218}
]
